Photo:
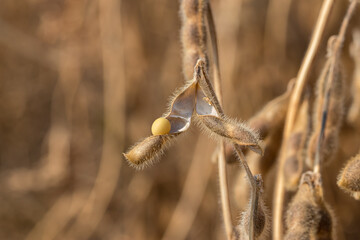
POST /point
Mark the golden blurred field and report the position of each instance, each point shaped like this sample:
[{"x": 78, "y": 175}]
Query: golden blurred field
[{"x": 81, "y": 81}]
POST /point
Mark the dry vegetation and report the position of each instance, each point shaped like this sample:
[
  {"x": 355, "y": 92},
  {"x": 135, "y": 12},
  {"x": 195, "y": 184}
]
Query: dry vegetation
[{"x": 82, "y": 81}]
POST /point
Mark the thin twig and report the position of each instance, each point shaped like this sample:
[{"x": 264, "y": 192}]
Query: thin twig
[
  {"x": 292, "y": 111},
  {"x": 335, "y": 56}
]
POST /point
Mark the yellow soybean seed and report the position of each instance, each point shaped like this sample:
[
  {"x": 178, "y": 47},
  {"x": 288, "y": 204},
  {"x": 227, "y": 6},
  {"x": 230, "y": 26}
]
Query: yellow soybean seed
[{"x": 160, "y": 126}]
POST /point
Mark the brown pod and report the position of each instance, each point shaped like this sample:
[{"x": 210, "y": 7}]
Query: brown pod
[
  {"x": 147, "y": 151},
  {"x": 193, "y": 34},
  {"x": 261, "y": 216},
  {"x": 334, "y": 111},
  {"x": 231, "y": 130},
  {"x": 308, "y": 215},
  {"x": 349, "y": 178}
]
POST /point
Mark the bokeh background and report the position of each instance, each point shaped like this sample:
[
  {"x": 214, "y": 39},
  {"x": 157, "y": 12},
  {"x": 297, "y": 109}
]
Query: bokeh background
[{"x": 81, "y": 81}]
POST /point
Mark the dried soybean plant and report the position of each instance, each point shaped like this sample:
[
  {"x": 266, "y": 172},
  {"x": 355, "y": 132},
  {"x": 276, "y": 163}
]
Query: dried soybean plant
[
  {"x": 309, "y": 137},
  {"x": 199, "y": 97},
  {"x": 308, "y": 215}
]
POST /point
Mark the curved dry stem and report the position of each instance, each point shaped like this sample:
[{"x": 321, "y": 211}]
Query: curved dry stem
[{"x": 292, "y": 111}]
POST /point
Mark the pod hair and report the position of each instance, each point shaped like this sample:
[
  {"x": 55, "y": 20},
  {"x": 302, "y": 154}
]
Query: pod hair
[
  {"x": 349, "y": 178},
  {"x": 308, "y": 215}
]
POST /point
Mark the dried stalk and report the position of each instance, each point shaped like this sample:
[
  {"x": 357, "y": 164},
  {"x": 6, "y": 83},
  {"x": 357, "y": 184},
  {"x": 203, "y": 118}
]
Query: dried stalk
[{"x": 292, "y": 111}]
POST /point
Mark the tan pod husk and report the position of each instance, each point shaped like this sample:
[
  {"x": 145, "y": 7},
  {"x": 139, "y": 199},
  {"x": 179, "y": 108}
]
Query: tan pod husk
[
  {"x": 308, "y": 215},
  {"x": 262, "y": 219}
]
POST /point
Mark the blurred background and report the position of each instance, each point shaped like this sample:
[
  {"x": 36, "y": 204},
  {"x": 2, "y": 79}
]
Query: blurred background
[{"x": 81, "y": 81}]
